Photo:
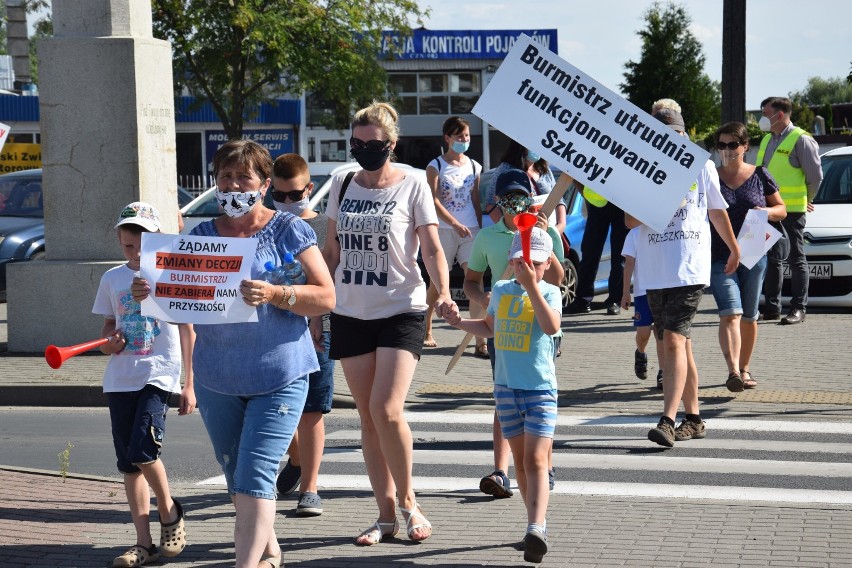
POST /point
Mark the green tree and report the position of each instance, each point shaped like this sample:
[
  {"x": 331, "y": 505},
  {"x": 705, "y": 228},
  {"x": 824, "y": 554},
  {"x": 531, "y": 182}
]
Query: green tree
[
  {"x": 42, "y": 27},
  {"x": 671, "y": 65},
  {"x": 3, "y": 29},
  {"x": 234, "y": 53},
  {"x": 821, "y": 91}
]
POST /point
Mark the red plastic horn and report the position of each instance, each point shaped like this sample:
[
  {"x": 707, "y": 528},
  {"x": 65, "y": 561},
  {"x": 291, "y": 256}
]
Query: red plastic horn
[
  {"x": 525, "y": 223},
  {"x": 55, "y": 356}
]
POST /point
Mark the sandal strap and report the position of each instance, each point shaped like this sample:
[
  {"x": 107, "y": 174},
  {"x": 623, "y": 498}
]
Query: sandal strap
[{"x": 415, "y": 511}]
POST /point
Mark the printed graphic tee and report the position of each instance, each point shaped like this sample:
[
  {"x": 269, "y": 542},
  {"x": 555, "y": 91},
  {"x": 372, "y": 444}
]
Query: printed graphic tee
[
  {"x": 454, "y": 186},
  {"x": 680, "y": 255},
  {"x": 378, "y": 276},
  {"x": 524, "y": 353},
  {"x": 152, "y": 355}
]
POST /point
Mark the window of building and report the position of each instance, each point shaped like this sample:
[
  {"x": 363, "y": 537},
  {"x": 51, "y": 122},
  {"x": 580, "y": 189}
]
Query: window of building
[{"x": 434, "y": 93}]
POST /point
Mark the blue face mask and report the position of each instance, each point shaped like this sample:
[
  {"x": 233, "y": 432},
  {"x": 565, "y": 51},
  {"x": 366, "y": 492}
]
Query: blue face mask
[
  {"x": 532, "y": 156},
  {"x": 460, "y": 147}
]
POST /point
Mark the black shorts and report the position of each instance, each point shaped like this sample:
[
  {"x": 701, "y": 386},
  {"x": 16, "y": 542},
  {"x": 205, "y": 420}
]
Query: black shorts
[
  {"x": 674, "y": 309},
  {"x": 351, "y": 337}
]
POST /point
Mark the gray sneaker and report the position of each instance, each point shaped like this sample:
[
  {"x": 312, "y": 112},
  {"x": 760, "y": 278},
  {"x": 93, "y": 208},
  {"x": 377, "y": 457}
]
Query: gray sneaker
[
  {"x": 310, "y": 505},
  {"x": 689, "y": 430},
  {"x": 663, "y": 434}
]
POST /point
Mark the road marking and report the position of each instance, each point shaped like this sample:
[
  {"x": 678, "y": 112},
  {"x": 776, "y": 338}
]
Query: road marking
[
  {"x": 582, "y": 488},
  {"x": 723, "y": 424},
  {"x": 627, "y": 442}
]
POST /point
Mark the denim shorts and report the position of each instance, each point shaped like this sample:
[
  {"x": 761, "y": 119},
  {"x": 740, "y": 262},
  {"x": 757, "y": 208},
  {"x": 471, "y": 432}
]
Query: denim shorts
[
  {"x": 674, "y": 309},
  {"x": 321, "y": 383},
  {"x": 250, "y": 434},
  {"x": 138, "y": 426},
  {"x": 642, "y": 312},
  {"x": 738, "y": 293},
  {"x": 525, "y": 411},
  {"x": 351, "y": 337}
]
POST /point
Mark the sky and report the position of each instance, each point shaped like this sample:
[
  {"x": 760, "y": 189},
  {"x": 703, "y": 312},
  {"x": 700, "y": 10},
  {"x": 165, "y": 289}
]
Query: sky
[{"x": 783, "y": 49}]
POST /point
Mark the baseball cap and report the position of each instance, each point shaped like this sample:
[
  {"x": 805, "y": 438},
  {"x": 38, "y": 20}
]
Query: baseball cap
[
  {"x": 512, "y": 180},
  {"x": 541, "y": 245},
  {"x": 142, "y": 214},
  {"x": 671, "y": 117}
]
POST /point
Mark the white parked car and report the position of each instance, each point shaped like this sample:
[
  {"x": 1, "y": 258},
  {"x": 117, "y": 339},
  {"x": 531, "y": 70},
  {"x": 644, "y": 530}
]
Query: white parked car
[{"x": 828, "y": 234}]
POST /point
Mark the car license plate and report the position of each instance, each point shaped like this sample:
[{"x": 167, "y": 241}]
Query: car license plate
[
  {"x": 458, "y": 295},
  {"x": 818, "y": 270}
]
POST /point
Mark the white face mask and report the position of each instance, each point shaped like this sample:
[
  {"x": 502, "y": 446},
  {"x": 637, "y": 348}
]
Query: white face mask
[
  {"x": 296, "y": 208},
  {"x": 765, "y": 123},
  {"x": 728, "y": 156},
  {"x": 237, "y": 204}
]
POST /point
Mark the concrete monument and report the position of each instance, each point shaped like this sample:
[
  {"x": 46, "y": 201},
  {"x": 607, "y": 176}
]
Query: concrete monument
[{"x": 108, "y": 134}]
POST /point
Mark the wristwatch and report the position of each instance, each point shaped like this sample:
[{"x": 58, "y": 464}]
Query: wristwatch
[{"x": 291, "y": 301}]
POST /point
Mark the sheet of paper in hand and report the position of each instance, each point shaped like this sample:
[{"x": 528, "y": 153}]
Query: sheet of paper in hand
[
  {"x": 196, "y": 279},
  {"x": 756, "y": 237}
]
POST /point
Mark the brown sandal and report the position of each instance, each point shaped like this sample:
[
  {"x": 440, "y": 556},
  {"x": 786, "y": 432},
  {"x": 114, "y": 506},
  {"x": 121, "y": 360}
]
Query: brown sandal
[
  {"x": 748, "y": 380},
  {"x": 481, "y": 351}
]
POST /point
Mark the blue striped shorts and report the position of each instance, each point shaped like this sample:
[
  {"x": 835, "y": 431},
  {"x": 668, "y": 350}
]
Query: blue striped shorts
[{"x": 525, "y": 411}]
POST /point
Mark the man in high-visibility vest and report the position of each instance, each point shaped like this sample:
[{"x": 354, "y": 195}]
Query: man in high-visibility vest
[{"x": 792, "y": 157}]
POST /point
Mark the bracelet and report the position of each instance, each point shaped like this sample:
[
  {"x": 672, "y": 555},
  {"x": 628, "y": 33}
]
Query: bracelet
[{"x": 283, "y": 300}]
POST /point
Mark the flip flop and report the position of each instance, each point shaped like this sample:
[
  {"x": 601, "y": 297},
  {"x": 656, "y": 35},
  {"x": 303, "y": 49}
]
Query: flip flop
[{"x": 429, "y": 342}]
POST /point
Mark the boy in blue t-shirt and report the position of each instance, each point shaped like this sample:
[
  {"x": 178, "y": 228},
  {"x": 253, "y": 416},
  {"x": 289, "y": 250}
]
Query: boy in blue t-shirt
[{"x": 522, "y": 316}]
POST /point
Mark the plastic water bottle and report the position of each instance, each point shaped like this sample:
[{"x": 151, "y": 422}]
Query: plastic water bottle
[
  {"x": 293, "y": 269},
  {"x": 274, "y": 274}
]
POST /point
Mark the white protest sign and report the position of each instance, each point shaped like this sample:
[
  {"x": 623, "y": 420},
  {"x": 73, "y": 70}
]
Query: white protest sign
[
  {"x": 756, "y": 237},
  {"x": 4, "y": 133},
  {"x": 595, "y": 135},
  {"x": 196, "y": 279}
]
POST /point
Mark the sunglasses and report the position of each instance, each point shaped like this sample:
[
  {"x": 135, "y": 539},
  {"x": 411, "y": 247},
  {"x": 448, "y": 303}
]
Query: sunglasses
[
  {"x": 294, "y": 195},
  {"x": 371, "y": 145},
  {"x": 728, "y": 145}
]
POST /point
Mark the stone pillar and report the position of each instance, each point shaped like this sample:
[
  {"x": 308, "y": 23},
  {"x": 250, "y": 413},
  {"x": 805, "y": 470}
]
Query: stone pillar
[{"x": 108, "y": 138}]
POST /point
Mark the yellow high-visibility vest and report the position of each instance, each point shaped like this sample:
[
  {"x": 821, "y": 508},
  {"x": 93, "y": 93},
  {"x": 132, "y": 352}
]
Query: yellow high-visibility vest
[
  {"x": 791, "y": 180},
  {"x": 595, "y": 199}
]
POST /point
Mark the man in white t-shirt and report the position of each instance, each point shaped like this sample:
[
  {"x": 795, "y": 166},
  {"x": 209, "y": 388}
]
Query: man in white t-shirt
[{"x": 675, "y": 271}]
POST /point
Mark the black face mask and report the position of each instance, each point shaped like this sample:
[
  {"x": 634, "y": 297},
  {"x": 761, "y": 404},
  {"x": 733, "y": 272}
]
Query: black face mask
[{"x": 370, "y": 160}]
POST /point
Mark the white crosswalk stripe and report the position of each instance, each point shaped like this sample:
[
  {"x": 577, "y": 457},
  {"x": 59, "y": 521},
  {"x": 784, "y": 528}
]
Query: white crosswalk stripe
[{"x": 797, "y": 461}]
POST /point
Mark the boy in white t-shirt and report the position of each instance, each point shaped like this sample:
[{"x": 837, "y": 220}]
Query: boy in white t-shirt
[
  {"x": 642, "y": 318},
  {"x": 522, "y": 315},
  {"x": 143, "y": 370},
  {"x": 675, "y": 271}
]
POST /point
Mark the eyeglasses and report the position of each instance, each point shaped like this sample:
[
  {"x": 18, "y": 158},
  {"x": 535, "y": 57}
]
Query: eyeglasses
[
  {"x": 371, "y": 145},
  {"x": 294, "y": 195},
  {"x": 728, "y": 145}
]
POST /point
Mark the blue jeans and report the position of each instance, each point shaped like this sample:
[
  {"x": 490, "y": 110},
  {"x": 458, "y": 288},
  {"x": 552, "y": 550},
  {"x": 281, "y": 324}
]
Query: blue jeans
[
  {"x": 250, "y": 434},
  {"x": 321, "y": 383},
  {"x": 737, "y": 293}
]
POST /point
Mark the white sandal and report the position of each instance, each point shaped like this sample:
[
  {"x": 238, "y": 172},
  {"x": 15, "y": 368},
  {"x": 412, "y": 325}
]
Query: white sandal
[
  {"x": 416, "y": 511},
  {"x": 378, "y": 532}
]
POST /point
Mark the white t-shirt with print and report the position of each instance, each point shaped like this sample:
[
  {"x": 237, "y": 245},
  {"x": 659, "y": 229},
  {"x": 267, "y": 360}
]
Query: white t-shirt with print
[
  {"x": 454, "y": 186},
  {"x": 680, "y": 255},
  {"x": 152, "y": 355},
  {"x": 629, "y": 249},
  {"x": 378, "y": 276}
]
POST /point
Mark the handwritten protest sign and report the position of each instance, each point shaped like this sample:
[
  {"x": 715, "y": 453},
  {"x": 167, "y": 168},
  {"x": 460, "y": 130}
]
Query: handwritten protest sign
[
  {"x": 196, "y": 279},
  {"x": 756, "y": 237},
  {"x": 601, "y": 139}
]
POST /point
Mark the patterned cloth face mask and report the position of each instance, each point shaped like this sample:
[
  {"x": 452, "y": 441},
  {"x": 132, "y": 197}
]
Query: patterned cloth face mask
[
  {"x": 237, "y": 204},
  {"x": 514, "y": 203}
]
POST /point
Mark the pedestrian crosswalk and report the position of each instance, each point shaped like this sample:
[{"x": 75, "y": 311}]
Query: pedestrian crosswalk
[{"x": 742, "y": 459}]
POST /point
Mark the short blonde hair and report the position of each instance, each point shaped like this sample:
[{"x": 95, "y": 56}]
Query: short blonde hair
[
  {"x": 666, "y": 103},
  {"x": 382, "y": 115}
]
